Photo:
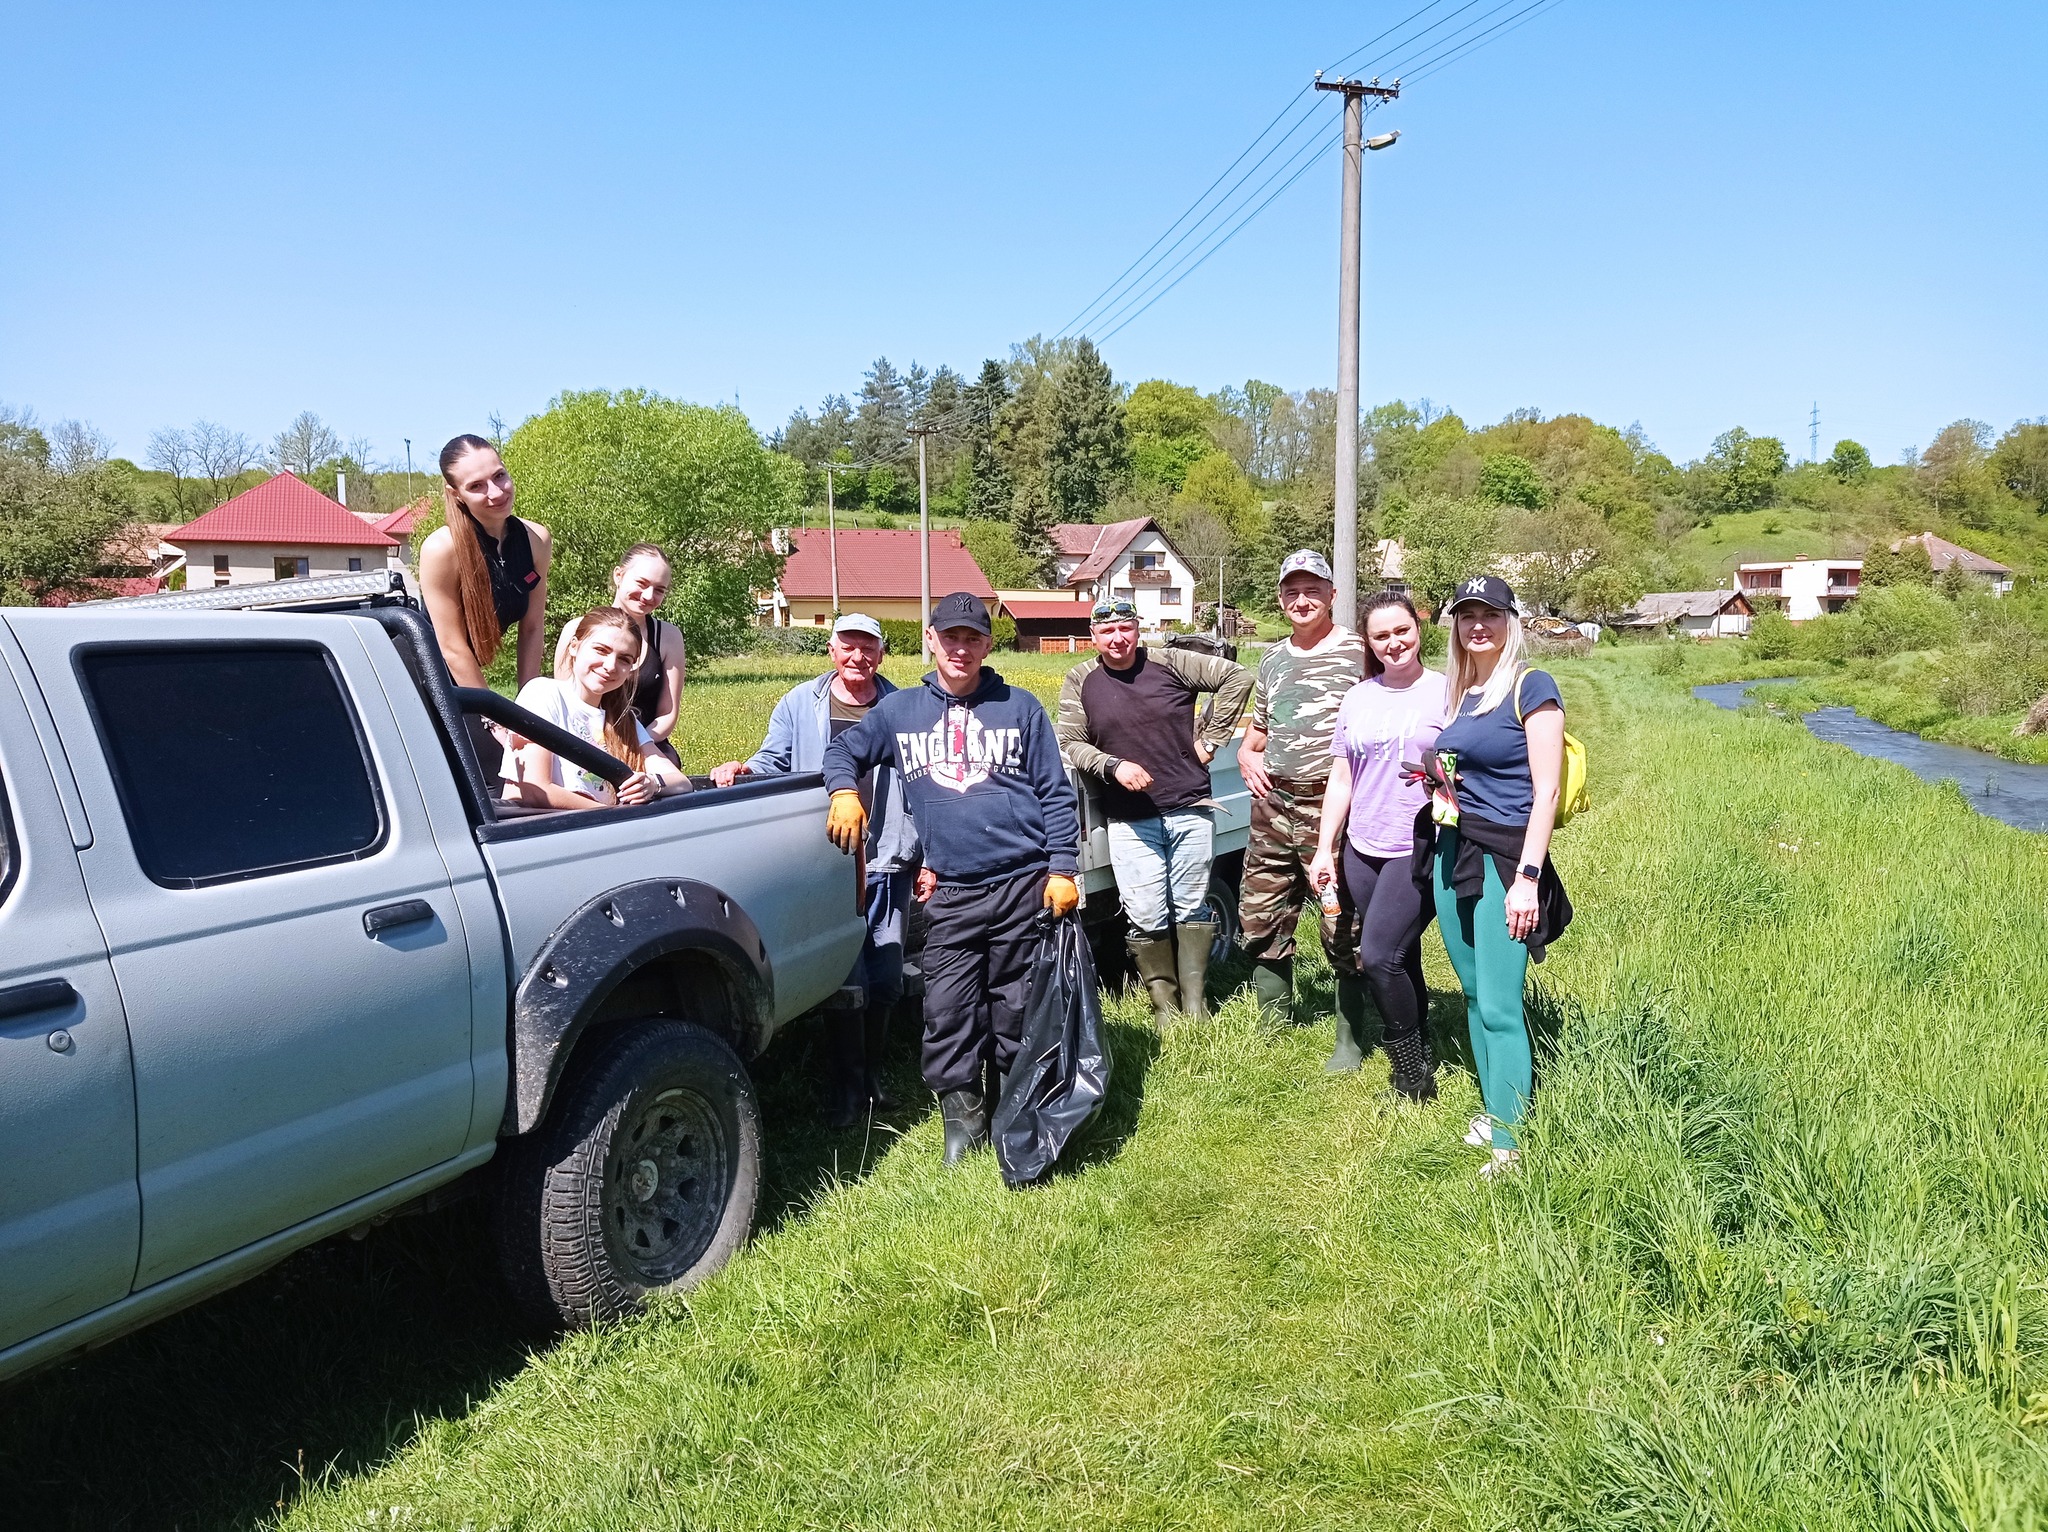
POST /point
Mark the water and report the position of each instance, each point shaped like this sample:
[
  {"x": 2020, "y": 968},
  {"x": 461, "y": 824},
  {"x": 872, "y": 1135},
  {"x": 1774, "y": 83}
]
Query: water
[{"x": 2005, "y": 790}]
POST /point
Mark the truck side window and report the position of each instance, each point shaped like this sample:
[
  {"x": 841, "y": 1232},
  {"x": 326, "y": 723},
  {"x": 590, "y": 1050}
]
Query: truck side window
[{"x": 232, "y": 760}]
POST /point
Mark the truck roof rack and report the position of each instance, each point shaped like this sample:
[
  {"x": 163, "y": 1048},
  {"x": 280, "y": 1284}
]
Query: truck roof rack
[{"x": 328, "y": 593}]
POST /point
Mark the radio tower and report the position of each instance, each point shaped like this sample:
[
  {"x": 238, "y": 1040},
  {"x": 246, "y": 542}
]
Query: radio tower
[{"x": 1813, "y": 435}]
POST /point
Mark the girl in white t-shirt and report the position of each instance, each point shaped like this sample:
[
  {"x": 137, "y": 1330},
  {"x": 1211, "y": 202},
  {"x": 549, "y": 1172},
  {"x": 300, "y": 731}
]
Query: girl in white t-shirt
[{"x": 590, "y": 695}]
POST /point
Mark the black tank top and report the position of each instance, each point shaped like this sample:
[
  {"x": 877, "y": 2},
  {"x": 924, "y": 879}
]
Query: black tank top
[
  {"x": 647, "y": 686},
  {"x": 509, "y": 561}
]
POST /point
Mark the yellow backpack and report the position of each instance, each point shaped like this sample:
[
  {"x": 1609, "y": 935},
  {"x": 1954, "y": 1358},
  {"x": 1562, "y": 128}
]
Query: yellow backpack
[{"x": 1572, "y": 794}]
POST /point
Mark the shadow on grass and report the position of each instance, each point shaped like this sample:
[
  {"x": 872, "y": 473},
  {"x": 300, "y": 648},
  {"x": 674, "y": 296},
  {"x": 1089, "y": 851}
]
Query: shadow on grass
[{"x": 208, "y": 1419}]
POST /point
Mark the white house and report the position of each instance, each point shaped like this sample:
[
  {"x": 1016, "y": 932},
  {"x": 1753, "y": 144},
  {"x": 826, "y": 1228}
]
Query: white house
[
  {"x": 1808, "y": 587},
  {"x": 1132, "y": 559},
  {"x": 282, "y": 529}
]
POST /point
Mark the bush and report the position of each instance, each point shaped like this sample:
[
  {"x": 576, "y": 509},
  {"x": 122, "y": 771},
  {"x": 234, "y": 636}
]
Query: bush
[
  {"x": 790, "y": 640},
  {"x": 1771, "y": 635},
  {"x": 905, "y": 637},
  {"x": 1897, "y": 619}
]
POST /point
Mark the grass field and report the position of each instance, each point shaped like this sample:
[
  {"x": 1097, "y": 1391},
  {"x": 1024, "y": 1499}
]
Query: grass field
[{"x": 1775, "y": 1259}]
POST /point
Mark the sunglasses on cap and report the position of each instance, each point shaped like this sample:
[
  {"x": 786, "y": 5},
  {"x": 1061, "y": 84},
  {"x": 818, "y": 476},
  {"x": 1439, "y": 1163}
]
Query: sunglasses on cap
[{"x": 1118, "y": 609}]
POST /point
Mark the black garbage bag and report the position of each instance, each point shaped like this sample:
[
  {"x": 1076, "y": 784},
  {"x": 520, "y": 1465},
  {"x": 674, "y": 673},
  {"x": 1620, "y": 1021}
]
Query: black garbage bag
[{"x": 1061, "y": 1074}]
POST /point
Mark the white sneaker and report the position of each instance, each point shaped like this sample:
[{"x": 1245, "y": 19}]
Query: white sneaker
[
  {"x": 1480, "y": 1134},
  {"x": 1504, "y": 1162}
]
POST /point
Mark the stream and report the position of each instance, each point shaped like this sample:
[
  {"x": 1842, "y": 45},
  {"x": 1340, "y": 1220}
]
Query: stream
[{"x": 2004, "y": 790}]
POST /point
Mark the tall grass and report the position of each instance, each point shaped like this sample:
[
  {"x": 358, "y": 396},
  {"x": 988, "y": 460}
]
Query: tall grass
[{"x": 1774, "y": 1260}]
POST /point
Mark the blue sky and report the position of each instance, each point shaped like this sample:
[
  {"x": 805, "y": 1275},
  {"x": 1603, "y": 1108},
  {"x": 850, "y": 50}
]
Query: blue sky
[{"x": 407, "y": 217}]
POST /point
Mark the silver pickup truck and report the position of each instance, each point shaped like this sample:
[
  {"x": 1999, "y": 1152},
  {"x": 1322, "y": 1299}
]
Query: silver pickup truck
[{"x": 274, "y": 963}]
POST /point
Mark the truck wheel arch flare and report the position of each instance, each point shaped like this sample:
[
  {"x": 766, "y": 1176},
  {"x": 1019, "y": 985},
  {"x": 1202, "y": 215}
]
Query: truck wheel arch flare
[{"x": 603, "y": 944}]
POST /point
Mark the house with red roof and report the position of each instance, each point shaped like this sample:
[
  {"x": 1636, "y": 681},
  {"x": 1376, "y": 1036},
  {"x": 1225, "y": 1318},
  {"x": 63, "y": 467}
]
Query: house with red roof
[
  {"x": 283, "y": 529},
  {"x": 402, "y": 526},
  {"x": 1133, "y": 559},
  {"x": 877, "y": 573}
]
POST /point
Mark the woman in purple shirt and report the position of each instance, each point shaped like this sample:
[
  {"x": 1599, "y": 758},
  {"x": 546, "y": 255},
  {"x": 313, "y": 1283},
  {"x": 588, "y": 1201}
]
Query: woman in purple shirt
[{"x": 1392, "y": 716}]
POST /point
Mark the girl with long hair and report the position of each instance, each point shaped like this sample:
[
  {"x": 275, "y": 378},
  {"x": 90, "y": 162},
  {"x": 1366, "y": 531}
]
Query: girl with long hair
[
  {"x": 1498, "y": 899},
  {"x": 1392, "y": 716},
  {"x": 590, "y": 695},
  {"x": 640, "y": 584},
  {"x": 485, "y": 571}
]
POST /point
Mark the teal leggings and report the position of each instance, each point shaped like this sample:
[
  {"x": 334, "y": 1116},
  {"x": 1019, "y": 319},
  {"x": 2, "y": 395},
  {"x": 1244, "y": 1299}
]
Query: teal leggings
[{"x": 1491, "y": 966}]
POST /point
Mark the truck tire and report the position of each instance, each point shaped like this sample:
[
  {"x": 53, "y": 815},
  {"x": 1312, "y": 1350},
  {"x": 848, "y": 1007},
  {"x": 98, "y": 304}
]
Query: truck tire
[
  {"x": 1222, "y": 902},
  {"x": 641, "y": 1180}
]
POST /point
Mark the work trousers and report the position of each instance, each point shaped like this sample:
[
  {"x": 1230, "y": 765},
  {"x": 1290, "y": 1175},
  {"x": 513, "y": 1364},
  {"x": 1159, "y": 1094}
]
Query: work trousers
[
  {"x": 1491, "y": 966},
  {"x": 1162, "y": 867},
  {"x": 977, "y": 976},
  {"x": 878, "y": 971},
  {"x": 1393, "y": 917},
  {"x": 1286, "y": 825}
]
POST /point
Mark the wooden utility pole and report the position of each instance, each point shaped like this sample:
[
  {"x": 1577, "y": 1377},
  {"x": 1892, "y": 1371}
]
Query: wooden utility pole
[
  {"x": 924, "y": 551},
  {"x": 1344, "y": 552},
  {"x": 832, "y": 540}
]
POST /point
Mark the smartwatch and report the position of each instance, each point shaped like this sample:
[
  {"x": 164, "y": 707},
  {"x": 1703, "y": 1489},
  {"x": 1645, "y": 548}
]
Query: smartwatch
[{"x": 1533, "y": 874}]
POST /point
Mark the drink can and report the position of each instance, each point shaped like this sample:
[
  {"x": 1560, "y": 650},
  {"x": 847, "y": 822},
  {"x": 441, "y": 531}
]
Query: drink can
[{"x": 1333, "y": 904}]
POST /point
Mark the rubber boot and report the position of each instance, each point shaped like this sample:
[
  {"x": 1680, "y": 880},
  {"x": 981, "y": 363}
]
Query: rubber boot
[
  {"x": 1193, "y": 940},
  {"x": 1273, "y": 984},
  {"x": 1414, "y": 1069},
  {"x": 875, "y": 1030},
  {"x": 1354, "y": 1033},
  {"x": 966, "y": 1117},
  {"x": 845, "y": 1077},
  {"x": 1154, "y": 956}
]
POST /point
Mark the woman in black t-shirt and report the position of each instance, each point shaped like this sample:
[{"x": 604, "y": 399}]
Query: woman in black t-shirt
[{"x": 483, "y": 572}]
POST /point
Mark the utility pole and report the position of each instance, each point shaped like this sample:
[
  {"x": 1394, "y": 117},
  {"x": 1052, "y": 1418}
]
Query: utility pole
[
  {"x": 1344, "y": 552},
  {"x": 924, "y": 551},
  {"x": 832, "y": 540},
  {"x": 1813, "y": 435},
  {"x": 408, "y": 471}
]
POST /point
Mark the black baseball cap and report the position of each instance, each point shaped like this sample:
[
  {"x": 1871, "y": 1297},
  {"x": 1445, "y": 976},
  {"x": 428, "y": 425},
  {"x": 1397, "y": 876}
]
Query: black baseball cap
[
  {"x": 959, "y": 610},
  {"x": 1483, "y": 590}
]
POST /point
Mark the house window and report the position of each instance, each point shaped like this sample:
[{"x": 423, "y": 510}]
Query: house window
[
  {"x": 289, "y": 569},
  {"x": 1126, "y": 593},
  {"x": 220, "y": 569},
  {"x": 287, "y": 781},
  {"x": 1169, "y": 596},
  {"x": 819, "y": 620},
  {"x": 355, "y": 566},
  {"x": 1145, "y": 561}
]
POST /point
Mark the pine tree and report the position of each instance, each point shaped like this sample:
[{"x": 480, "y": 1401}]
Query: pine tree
[
  {"x": 990, "y": 487},
  {"x": 1026, "y": 431},
  {"x": 1089, "y": 457}
]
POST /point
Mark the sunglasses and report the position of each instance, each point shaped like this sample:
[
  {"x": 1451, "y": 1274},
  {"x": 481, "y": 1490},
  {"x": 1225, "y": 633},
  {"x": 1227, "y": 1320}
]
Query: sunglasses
[{"x": 1106, "y": 611}]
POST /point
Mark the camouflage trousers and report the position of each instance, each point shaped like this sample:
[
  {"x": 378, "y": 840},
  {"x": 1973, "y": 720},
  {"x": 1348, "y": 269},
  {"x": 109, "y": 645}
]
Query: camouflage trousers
[{"x": 1285, "y": 826}]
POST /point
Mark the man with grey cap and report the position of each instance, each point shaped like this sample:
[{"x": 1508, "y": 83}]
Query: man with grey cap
[
  {"x": 1285, "y": 758},
  {"x": 804, "y": 722}
]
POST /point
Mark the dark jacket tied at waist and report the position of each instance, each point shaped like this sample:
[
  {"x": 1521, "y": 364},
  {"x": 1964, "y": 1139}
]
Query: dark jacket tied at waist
[{"x": 1479, "y": 839}]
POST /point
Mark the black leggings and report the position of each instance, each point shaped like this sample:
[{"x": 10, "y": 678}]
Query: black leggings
[{"x": 1394, "y": 917}]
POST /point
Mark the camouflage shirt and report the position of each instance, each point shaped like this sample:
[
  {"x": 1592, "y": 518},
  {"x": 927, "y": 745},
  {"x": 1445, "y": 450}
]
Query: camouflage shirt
[{"x": 1296, "y": 699}]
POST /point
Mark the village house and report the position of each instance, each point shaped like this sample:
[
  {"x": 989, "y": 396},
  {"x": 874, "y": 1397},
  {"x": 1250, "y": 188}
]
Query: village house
[
  {"x": 1694, "y": 613},
  {"x": 1941, "y": 553},
  {"x": 877, "y": 574},
  {"x": 1809, "y": 587},
  {"x": 283, "y": 529},
  {"x": 1132, "y": 559},
  {"x": 402, "y": 527}
]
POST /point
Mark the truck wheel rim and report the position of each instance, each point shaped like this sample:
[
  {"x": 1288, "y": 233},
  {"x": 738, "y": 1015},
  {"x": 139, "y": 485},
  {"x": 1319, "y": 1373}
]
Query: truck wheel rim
[{"x": 665, "y": 1186}]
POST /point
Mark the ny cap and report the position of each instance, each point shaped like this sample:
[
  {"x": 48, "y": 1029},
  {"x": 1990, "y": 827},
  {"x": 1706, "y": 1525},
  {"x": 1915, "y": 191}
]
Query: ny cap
[
  {"x": 1483, "y": 590},
  {"x": 858, "y": 622},
  {"x": 1306, "y": 561},
  {"x": 959, "y": 610}
]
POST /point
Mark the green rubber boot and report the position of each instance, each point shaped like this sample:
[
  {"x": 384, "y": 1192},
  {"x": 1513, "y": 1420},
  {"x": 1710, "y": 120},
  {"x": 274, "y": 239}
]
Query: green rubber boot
[
  {"x": 1354, "y": 1034},
  {"x": 1153, "y": 956},
  {"x": 1192, "y": 942},
  {"x": 1273, "y": 984}
]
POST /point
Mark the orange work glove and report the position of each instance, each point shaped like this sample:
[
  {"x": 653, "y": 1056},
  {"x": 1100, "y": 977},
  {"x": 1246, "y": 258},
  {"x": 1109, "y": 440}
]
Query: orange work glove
[
  {"x": 847, "y": 823},
  {"x": 1062, "y": 894}
]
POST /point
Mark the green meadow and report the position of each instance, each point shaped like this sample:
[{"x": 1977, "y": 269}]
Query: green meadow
[{"x": 1775, "y": 1258}]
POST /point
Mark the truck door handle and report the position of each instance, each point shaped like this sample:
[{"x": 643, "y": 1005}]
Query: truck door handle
[
  {"x": 388, "y": 917},
  {"x": 37, "y": 995}
]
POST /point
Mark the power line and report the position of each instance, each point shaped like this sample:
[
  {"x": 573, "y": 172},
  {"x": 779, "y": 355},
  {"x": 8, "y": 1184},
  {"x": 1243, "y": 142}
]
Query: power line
[
  {"x": 1487, "y": 39},
  {"x": 1413, "y": 58},
  {"x": 1390, "y": 31}
]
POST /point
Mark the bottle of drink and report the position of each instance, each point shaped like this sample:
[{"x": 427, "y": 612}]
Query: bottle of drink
[{"x": 1332, "y": 903}]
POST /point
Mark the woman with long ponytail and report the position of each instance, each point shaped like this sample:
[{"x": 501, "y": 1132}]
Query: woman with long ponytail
[{"x": 484, "y": 572}]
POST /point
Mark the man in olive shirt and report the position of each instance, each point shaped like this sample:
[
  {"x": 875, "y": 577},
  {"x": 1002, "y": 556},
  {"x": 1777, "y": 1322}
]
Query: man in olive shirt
[
  {"x": 1286, "y": 762},
  {"x": 1128, "y": 718}
]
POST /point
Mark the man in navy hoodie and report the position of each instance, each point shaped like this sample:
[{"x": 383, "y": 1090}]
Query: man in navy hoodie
[{"x": 983, "y": 779}]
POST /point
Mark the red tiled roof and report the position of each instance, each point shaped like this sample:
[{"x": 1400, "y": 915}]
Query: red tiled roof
[
  {"x": 399, "y": 523},
  {"x": 283, "y": 509},
  {"x": 1096, "y": 546},
  {"x": 1941, "y": 553},
  {"x": 1048, "y": 611},
  {"x": 879, "y": 563}
]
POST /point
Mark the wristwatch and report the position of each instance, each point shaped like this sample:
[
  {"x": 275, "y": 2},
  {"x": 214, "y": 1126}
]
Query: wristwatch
[{"x": 1532, "y": 873}]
